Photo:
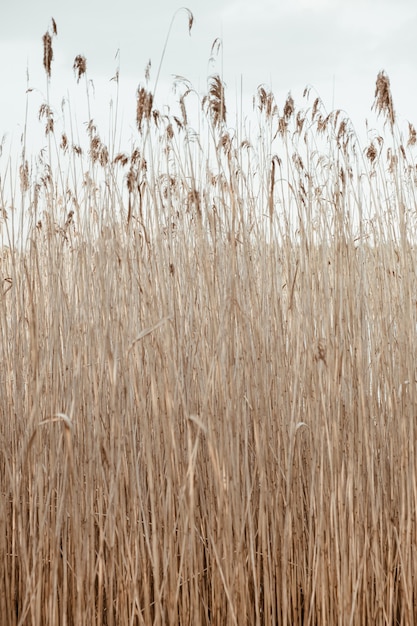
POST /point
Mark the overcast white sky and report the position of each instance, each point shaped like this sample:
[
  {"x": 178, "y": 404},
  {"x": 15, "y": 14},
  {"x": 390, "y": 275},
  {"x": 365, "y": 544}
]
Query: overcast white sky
[{"x": 338, "y": 47}]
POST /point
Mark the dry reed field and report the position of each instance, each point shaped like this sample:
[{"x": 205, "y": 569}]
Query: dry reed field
[{"x": 208, "y": 408}]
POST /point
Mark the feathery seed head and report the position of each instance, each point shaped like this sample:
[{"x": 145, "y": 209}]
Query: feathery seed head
[
  {"x": 289, "y": 107},
  {"x": 412, "y": 135},
  {"x": 215, "y": 101},
  {"x": 383, "y": 99},
  {"x": 48, "y": 53},
  {"x": 79, "y": 66},
  {"x": 144, "y": 101}
]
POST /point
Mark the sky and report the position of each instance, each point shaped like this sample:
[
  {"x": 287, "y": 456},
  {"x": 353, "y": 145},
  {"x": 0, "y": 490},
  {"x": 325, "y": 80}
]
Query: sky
[{"x": 336, "y": 47}]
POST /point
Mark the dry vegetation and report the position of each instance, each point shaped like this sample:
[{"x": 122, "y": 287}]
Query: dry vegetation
[{"x": 207, "y": 364}]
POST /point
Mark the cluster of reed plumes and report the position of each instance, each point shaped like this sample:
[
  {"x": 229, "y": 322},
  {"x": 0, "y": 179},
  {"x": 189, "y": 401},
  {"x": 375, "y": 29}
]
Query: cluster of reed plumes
[{"x": 207, "y": 364}]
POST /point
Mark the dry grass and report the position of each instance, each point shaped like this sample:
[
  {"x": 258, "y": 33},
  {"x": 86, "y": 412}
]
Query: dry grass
[{"x": 207, "y": 363}]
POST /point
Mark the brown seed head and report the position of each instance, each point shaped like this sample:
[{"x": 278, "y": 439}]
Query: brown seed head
[
  {"x": 48, "y": 54},
  {"x": 69, "y": 218},
  {"x": 64, "y": 142},
  {"x": 412, "y": 136},
  {"x": 131, "y": 179},
  {"x": 95, "y": 148},
  {"x": 190, "y": 21},
  {"x": 342, "y": 130},
  {"x": 300, "y": 119},
  {"x": 315, "y": 108},
  {"x": 215, "y": 101},
  {"x": 183, "y": 111},
  {"x": 156, "y": 117},
  {"x": 24, "y": 176},
  {"x": 266, "y": 102},
  {"x": 282, "y": 126},
  {"x": 261, "y": 98},
  {"x": 143, "y": 106},
  {"x": 79, "y": 66},
  {"x": 169, "y": 132},
  {"x": 371, "y": 153},
  {"x": 121, "y": 158},
  {"x": 49, "y": 126},
  {"x": 288, "y": 107},
  {"x": 104, "y": 156},
  {"x": 383, "y": 98}
]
